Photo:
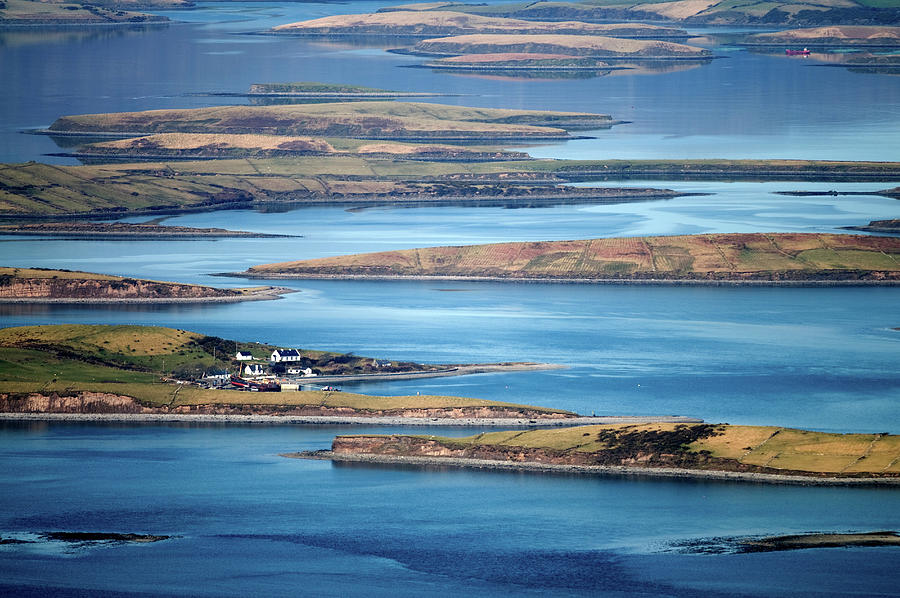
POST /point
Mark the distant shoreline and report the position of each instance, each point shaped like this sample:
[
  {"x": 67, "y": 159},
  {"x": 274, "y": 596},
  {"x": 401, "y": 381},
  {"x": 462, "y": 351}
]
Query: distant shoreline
[
  {"x": 263, "y": 294},
  {"x": 329, "y": 420},
  {"x": 595, "y": 470},
  {"x": 604, "y": 281}
]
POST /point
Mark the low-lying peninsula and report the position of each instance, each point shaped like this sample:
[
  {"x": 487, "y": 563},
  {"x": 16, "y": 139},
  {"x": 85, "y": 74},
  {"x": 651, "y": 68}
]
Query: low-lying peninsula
[
  {"x": 146, "y": 371},
  {"x": 718, "y": 451},
  {"x": 39, "y": 285},
  {"x": 879, "y": 226},
  {"x": 445, "y": 22},
  {"x": 518, "y": 61},
  {"x": 749, "y": 258}
]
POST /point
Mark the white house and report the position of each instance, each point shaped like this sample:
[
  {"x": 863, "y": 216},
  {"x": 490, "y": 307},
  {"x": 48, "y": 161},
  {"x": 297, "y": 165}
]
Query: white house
[
  {"x": 241, "y": 356},
  {"x": 254, "y": 369},
  {"x": 305, "y": 372},
  {"x": 280, "y": 355},
  {"x": 216, "y": 375}
]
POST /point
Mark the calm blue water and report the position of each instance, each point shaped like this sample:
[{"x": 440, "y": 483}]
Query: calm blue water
[{"x": 252, "y": 523}]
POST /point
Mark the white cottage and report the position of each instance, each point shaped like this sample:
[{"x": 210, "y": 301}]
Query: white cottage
[
  {"x": 254, "y": 369},
  {"x": 241, "y": 356},
  {"x": 282, "y": 355}
]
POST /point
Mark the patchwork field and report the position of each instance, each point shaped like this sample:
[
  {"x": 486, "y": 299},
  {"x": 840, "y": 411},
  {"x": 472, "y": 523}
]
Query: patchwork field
[{"x": 722, "y": 257}]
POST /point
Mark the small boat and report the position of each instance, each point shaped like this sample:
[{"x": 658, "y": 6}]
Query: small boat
[
  {"x": 803, "y": 52},
  {"x": 254, "y": 385}
]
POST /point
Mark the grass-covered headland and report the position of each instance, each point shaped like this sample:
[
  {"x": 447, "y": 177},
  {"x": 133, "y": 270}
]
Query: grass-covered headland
[{"x": 73, "y": 368}]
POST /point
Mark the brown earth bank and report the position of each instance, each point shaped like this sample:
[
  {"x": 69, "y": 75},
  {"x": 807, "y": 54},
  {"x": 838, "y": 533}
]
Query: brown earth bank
[
  {"x": 86, "y": 402},
  {"x": 757, "y": 257}
]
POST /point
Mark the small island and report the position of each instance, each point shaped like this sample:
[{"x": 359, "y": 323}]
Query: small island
[
  {"x": 521, "y": 61},
  {"x": 368, "y": 120},
  {"x": 713, "y": 451},
  {"x": 593, "y": 46},
  {"x": 39, "y": 285},
  {"x": 444, "y": 22},
  {"x": 749, "y": 258},
  {"x": 821, "y": 540}
]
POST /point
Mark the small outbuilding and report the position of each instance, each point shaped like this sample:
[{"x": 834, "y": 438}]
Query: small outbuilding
[
  {"x": 254, "y": 369},
  {"x": 241, "y": 356}
]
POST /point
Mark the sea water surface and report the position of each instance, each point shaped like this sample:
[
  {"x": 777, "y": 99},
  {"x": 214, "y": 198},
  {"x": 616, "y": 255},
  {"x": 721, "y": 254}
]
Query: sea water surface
[{"x": 247, "y": 521}]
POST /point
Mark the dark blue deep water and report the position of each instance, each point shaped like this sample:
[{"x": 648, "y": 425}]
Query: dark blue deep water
[{"x": 246, "y": 521}]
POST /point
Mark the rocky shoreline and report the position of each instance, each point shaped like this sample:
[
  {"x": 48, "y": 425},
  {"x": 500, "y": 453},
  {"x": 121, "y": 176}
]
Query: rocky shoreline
[
  {"x": 595, "y": 470},
  {"x": 261, "y": 294}
]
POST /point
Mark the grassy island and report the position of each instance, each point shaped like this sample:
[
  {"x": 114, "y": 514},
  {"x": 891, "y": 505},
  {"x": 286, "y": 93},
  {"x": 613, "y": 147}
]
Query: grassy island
[
  {"x": 38, "y": 285},
  {"x": 755, "y": 452},
  {"x": 83, "y": 369},
  {"x": 595, "y": 46},
  {"x": 375, "y": 120},
  {"x": 517, "y": 61},
  {"x": 440, "y": 23},
  {"x": 713, "y": 258},
  {"x": 865, "y": 36}
]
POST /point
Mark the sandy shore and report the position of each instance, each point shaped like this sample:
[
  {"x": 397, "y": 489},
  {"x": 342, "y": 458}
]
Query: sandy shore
[
  {"x": 339, "y": 420},
  {"x": 461, "y": 370},
  {"x": 258, "y": 294},
  {"x": 596, "y": 470}
]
